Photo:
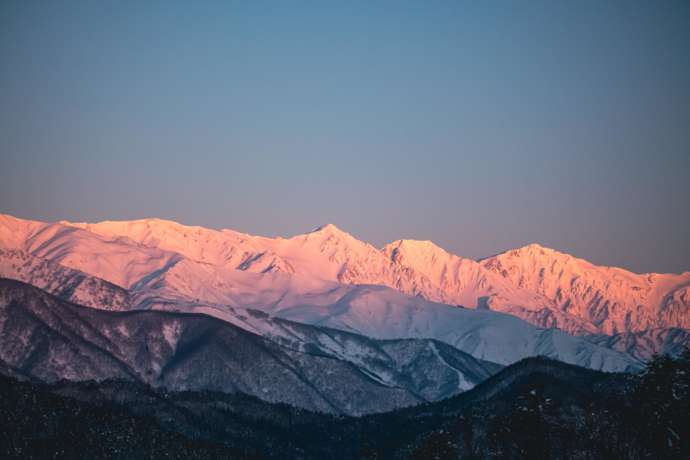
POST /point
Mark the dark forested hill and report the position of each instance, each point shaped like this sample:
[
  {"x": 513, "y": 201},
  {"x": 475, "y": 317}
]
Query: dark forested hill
[{"x": 537, "y": 408}]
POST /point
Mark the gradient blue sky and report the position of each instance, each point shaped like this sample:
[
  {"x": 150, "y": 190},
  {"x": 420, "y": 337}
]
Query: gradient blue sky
[{"x": 479, "y": 125}]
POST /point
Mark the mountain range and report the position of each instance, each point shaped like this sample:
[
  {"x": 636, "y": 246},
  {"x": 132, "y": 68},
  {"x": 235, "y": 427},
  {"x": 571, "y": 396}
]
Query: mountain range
[
  {"x": 161, "y": 262},
  {"x": 322, "y": 278},
  {"x": 540, "y": 285}
]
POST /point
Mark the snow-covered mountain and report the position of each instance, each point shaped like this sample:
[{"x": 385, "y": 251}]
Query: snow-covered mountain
[
  {"x": 119, "y": 260},
  {"x": 303, "y": 278},
  {"x": 316, "y": 368},
  {"x": 447, "y": 278},
  {"x": 612, "y": 299},
  {"x": 540, "y": 285}
]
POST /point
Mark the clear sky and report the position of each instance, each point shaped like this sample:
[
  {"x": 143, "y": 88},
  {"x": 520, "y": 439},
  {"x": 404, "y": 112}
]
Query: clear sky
[{"x": 482, "y": 126}]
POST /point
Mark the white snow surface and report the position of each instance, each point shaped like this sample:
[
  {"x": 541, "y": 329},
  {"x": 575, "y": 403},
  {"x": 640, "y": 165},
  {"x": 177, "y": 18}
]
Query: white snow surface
[
  {"x": 408, "y": 289},
  {"x": 541, "y": 285}
]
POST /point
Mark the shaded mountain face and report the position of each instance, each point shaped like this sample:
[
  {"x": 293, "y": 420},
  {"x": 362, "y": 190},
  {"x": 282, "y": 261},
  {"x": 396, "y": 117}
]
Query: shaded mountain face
[
  {"x": 536, "y": 408},
  {"x": 645, "y": 344},
  {"x": 323, "y": 370},
  {"x": 168, "y": 266},
  {"x": 539, "y": 285},
  {"x": 539, "y": 408}
]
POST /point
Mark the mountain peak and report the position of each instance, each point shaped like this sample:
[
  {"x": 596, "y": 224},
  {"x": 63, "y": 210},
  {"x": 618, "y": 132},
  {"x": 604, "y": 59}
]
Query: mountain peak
[
  {"x": 414, "y": 245},
  {"x": 532, "y": 249},
  {"x": 534, "y": 252},
  {"x": 329, "y": 228},
  {"x": 420, "y": 254}
]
